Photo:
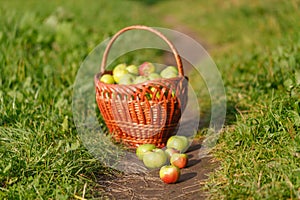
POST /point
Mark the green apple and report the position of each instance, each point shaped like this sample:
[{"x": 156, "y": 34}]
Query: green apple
[
  {"x": 133, "y": 69},
  {"x": 142, "y": 149},
  {"x": 146, "y": 68},
  {"x": 172, "y": 68},
  {"x": 155, "y": 91},
  {"x": 107, "y": 78},
  {"x": 119, "y": 71},
  {"x": 127, "y": 79},
  {"x": 169, "y": 174},
  {"x": 140, "y": 79},
  {"x": 155, "y": 158},
  {"x": 169, "y": 72},
  {"x": 154, "y": 76},
  {"x": 178, "y": 142},
  {"x": 179, "y": 160},
  {"x": 171, "y": 151}
]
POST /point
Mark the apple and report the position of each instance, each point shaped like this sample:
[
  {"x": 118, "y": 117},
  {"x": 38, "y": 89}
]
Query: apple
[
  {"x": 133, "y": 69},
  {"x": 146, "y": 68},
  {"x": 179, "y": 160},
  {"x": 172, "y": 68},
  {"x": 155, "y": 158},
  {"x": 127, "y": 79},
  {"x": 154, "y": 91},
  {"x": 178, "y": 142},
  {"x": 107, "y": 78},
  {"x": 142, "y": 149},
  {"x": 119, "y": 71},
  {"x": 140, "y": 79},
  {"x": 154, "y": 76},
  {"x": 169, "y": 72},
  {"x": 171, "y": 151},
  {"x": 169, "y": 174}
]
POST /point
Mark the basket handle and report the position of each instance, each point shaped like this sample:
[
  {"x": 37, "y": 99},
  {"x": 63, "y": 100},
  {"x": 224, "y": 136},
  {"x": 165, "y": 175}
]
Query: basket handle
[{"x": 141, "y": 27}]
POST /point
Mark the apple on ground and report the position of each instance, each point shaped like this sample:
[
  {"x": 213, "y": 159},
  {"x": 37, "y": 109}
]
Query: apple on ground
[
  {"x": 155, "y": 158},
  {"x": 119, "y": 71},
  {"x": 107, "y": 78},
  {"x": 178, "y": 142},
  {"x": 146, "y": 68},
  {"x": 179, "y": 160},
  {"x": 171, "y": 151},
  {"x": 169, "y": 174},
  {"x": 142, "y": 149},
  {"x": 127, "y": 79}
]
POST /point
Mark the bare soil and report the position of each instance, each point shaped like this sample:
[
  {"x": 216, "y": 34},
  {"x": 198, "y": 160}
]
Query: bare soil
[{"x": 149, "y": 186}]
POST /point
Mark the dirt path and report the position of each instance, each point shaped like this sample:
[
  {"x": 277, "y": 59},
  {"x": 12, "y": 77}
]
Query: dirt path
[{"x": 149, "y": 186}]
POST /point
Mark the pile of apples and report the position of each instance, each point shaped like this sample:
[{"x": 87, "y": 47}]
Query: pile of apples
[
  {"x": 170, "y": 161},
  {"x": 132, "y": 74}
]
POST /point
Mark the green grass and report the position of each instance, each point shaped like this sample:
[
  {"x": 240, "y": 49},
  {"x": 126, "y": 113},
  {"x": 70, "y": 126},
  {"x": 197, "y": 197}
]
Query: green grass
[
  {"x": 259, "y": 154},
  {"x": 256, "y": 47},
  {"x": 255, "y": 44},
  {"x": 41, "y": 49}
]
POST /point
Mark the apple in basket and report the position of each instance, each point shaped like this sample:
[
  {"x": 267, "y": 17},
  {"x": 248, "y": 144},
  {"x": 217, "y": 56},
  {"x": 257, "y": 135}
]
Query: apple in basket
[
  {"x": 178, "y": 142},
  {"x": 169, "y": 174},
  {"x": 146, "y": 68},
  {"x": 119, "y": 71},
  {"x": 142, "y": 149},
  {"x": 127, "y": 79},
  {"x": 179, "y": 160},
  {"x": 169, "y": 72},
  {"x": 155, "y": 158},
  {"x": 140, "y": 79},
  {"x": 133, "y": 69},
  {"x": 154, "y": 76},
  {"x": 107, "y": 78}
]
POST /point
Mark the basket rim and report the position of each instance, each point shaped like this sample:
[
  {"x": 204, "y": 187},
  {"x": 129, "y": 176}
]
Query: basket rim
[{"x": 114, "y": 85}]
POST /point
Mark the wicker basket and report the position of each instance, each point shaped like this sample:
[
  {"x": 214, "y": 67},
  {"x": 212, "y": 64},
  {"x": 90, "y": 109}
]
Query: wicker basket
[{"x": 148, "y": 112}]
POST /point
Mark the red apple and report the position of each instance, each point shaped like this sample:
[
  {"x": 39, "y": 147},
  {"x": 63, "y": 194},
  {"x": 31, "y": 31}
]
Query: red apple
[
  {"x": 146, "y": 68},
  {"x": 169, "y": 174},
  {"x": 155, "y": 158},
  {"x": 179, "y": 160},
  {"x": 142, "y": 149}
]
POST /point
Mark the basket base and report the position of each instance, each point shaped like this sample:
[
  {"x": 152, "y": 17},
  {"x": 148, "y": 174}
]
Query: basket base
[{"x": 159, "y": 139}]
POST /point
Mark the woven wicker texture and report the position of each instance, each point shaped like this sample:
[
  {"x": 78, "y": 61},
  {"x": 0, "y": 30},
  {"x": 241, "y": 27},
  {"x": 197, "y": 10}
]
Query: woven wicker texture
[{"x": 142, "y": 113}]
